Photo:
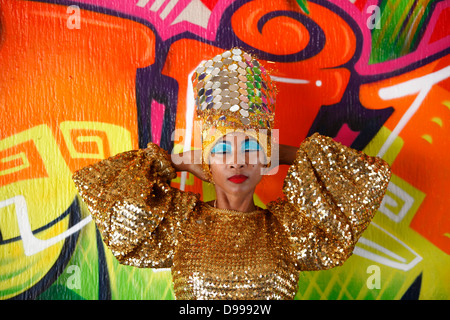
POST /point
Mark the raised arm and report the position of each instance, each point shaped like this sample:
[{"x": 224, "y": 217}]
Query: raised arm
[
  {"x": 133, "y": 205},
  {"x": 332, "y": 192}
]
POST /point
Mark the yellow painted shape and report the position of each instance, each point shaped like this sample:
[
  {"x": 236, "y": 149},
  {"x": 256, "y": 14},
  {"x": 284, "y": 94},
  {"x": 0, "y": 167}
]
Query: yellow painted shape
[
  {"x": 46, "y": 199},
  {"x": 438, "y": 121},
  {"x": 25, "y": 163},
  {"x": 428, "y": 138},
  {"x": 374, "y": 146},
  {"x": 446, "y": 103},
  {"x": 119, "y": 138}
]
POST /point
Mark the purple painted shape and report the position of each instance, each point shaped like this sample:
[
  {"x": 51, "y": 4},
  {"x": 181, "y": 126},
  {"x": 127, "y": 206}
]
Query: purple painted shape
[
  {"x": 157, "y": 118},
  {"x": 346, "y": 136}
]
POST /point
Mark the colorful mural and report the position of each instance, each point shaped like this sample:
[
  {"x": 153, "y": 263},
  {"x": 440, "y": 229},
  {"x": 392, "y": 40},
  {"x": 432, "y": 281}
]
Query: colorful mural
[{"x": 83, "y": 80}]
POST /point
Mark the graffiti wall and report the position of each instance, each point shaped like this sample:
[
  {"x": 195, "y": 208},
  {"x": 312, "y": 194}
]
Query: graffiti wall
[{"x": 84, "y": 80}]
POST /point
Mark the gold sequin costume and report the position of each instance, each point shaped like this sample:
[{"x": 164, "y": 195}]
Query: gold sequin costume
[{"x": 332, "y": 192}]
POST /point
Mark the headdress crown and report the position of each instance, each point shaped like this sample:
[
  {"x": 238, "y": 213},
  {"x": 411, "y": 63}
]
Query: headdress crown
[{"x": 234, "y": 90}]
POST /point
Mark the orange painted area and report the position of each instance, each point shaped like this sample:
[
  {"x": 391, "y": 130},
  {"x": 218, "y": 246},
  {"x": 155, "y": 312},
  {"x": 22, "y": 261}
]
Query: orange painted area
[
  {"x": 284, "y": 35},
  {"x": 68, "y": 98},
  {"x": 318, "y": 81},
  {"x": 423, "y": 160},
  {"x": 52, "y": 73},
  {"x": 90, "y": 146},
  {"x": 183, "y": 58},
  {"x": 322, "y": 81},
  {"x": 21, "y": 162}
]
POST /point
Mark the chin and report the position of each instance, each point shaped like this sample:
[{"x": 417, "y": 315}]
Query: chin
[{"x": 240, "y": 187}]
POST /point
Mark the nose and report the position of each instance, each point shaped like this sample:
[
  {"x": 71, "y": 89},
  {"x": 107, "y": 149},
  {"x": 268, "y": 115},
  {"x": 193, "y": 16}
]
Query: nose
[
  {"x": 237, "y": 165},
  {"x": 237, "y": 159}
]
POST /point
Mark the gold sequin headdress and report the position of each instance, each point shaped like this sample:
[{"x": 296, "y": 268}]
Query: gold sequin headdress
[{"x": 233, "y": 92}]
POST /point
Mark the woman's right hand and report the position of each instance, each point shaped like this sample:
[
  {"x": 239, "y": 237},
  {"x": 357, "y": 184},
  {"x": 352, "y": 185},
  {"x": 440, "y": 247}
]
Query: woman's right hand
[{"x": 190, "y": 161}]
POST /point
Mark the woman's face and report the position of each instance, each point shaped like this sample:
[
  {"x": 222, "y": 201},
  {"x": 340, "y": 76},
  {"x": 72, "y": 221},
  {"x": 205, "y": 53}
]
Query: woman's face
[{"x": 235, "y": 163}]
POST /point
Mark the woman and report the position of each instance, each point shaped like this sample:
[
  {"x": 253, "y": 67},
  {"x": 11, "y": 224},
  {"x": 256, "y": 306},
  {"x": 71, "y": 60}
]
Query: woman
[{"x": 229, "y": 248}]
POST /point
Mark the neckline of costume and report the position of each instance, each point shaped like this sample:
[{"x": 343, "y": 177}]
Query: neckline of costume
[{"x": 210, "y": 207}]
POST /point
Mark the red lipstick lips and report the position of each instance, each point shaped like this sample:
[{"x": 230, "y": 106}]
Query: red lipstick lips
[{"x": 238, "y": 178}]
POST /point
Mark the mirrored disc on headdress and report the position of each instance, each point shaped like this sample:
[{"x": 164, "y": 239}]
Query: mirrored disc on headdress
[{"x": 235, "y": 87}]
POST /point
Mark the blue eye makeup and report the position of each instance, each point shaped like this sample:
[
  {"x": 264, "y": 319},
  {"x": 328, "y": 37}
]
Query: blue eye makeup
[
  {"x": 250, "y": 145},
  {"x": 224, "y": 147},
  {"x": 221, "y": 148}
]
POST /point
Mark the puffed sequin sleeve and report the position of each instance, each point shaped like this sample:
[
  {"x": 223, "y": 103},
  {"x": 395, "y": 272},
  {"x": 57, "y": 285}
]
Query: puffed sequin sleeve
[
  {"x": 332, "y": 193},
  {"x": 137, "y": 212}
]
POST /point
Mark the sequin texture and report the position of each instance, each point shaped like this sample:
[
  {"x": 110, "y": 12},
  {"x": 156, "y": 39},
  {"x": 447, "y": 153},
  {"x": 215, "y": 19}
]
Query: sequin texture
[
  {"x": 234, "y": 70},
  {"x": 331, "y": 194}
]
